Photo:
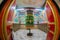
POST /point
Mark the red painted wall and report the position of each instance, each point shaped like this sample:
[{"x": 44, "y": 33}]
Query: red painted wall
[{"x": 3, "y": 12}]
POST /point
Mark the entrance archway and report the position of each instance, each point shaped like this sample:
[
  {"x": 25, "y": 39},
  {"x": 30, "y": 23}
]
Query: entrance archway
[{"x": 7, "y": 17}]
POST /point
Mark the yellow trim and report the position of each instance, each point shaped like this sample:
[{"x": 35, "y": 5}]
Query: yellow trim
[
  {"x": 6, "y": 18},
  {"x": 55, "y": 17},
  {"x": 4, "y": 21},
  {"x": 2, "y": 26}
]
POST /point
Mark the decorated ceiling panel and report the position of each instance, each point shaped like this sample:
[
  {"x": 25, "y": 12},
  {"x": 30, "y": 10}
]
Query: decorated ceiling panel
[{"x": 30, "y": 3}]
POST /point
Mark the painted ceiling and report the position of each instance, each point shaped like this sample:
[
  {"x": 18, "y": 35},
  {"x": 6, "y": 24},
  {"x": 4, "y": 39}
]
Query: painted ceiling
[{"x": 30, "y": 3}]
